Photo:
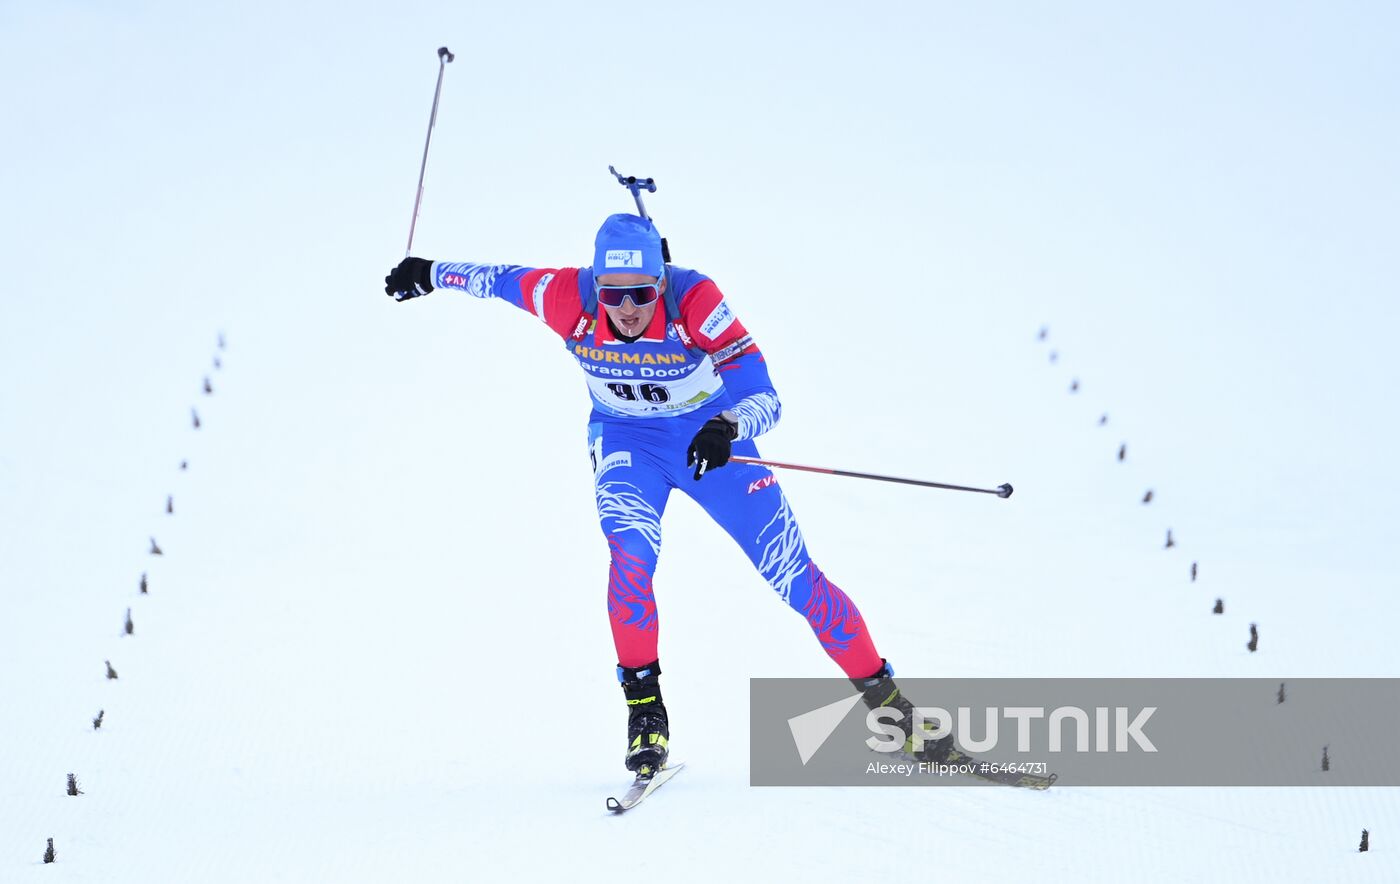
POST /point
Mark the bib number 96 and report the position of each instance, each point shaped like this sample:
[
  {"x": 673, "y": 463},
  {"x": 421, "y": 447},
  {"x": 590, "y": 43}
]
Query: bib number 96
[{"x": 640, "y": 392}]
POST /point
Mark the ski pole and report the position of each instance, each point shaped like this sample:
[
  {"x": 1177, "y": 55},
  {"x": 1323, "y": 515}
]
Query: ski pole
[
  {"x": 444, "y": 57},
  {"x": 1000, "y": 491}
]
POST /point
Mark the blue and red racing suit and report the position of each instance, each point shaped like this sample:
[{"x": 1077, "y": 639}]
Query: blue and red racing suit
[{"x": 650, "y": 397}]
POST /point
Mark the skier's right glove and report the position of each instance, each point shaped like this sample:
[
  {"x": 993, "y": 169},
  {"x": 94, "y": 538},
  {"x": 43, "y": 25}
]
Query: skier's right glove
[
  {"x": 710, "y": 448},
  {"x": 413, "y": 278}
]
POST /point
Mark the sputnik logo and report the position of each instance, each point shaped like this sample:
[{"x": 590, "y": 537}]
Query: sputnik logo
[{"x": 811, "y": 730}]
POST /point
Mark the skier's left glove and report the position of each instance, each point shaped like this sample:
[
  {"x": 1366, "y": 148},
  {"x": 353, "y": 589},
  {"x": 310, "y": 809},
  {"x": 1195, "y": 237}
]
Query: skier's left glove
[
  {"x": 709, "y": 450},
  {"x": 411, "y": 279}
]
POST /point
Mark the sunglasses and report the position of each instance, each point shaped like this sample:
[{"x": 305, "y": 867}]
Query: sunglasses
[{"x": 640, "y": 295}]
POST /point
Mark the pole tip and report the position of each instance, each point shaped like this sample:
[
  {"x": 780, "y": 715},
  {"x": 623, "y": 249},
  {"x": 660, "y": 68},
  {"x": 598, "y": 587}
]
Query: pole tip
[
  {"x": 445, "y": 54},
  {"x": 1004, "y": 490}
]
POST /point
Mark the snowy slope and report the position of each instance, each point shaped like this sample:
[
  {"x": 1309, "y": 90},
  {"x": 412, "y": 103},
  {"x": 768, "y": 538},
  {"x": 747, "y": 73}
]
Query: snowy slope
[
  {"x": 331, "y": 676},
  {"x": 383, "y": 567}
]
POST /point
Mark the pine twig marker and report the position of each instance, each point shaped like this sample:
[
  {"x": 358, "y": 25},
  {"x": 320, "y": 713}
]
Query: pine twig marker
[
  {"x": 170, "y": 504},
  {"x": 49, "y": 854},
  {"x": 111, "y": 673},
  {"x": 1193, "y": 572},
  {"x": 73, "y": 785},
  {"x": 1170, "y": 541},
  {"x": 1147, "y": 498},
  {"x": 1123, "y": 451},
  {"x": 194, "y": 416},
  {"x": 155, "y": 548},
  {"x": 143, "y": 583},
  {"x": 97, "y": 722},
  {"x": 1326, "y": 762},
  {"x": 1365, "y": 841},
  {"x": 1281, "y": 695},
  {"x": 1253, "y": 638},
  {"x": 130, "y": 627},
  {"x": 1219, "y": 607},
  {"x": 208, "y": 388}
]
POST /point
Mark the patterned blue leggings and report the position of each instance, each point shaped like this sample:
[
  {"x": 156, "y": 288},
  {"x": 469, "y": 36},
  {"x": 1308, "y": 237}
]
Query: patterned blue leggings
[{"x": 636, "y": 463}]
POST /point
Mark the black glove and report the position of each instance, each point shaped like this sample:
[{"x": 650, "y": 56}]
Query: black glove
[
  {"x": 709, "y": 450},
  {"x": 411, "y": 279}
]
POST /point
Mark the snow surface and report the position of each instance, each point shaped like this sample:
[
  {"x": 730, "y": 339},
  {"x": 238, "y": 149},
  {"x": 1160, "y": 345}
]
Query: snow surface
[{"x": 376, "y": 647}]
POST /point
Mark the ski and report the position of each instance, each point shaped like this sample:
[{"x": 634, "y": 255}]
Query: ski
[{"x": 643, "y": 786}]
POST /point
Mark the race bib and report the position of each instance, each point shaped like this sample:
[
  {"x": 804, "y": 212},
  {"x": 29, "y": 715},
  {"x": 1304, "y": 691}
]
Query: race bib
[{"x": 649, "y": 391}]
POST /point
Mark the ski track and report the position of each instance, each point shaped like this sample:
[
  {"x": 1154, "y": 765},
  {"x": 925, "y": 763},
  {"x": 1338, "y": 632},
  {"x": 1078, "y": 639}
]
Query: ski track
[{"x": 377, "y": 648}]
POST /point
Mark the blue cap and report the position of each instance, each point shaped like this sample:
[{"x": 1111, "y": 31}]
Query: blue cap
[{"x": 627, "y": 244}]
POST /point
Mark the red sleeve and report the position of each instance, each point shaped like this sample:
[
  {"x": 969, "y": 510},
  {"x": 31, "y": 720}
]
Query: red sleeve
[
  {"x": 709, "y": 320},
  {"x": 552, "y": 296}
]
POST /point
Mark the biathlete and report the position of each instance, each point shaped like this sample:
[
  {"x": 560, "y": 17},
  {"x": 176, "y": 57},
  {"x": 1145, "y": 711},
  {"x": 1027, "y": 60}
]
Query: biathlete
[{"x": 678, "y": 385}]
